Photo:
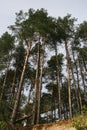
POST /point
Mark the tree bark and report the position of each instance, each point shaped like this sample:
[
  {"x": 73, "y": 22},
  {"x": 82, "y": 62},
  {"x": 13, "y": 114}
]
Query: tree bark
[
  {"x": 23, "y": 118},
  {"x": 75, "y": 88},
  {"x": 79, "y": 92},
  {"x": 36, "y": 84},
  {"x": 58, "y": 82},
  {"x": 4, "y": 83},
  {"x": 29, "y": 95},
  {"x": 13, "y": 85},
  {"x": 16, "y": 105},
  {"x": 75, "y": 84},
  {"x": 69, "y": 88},
  {"x": 53, "y": 101},
  {"x": 40, "y": 83},
  {"x": 82, "y": 76}
]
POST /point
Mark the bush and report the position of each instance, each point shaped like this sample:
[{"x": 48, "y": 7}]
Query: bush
[
  {"x": 80, "y": 122},
  {"x": 2, "y": 125}
]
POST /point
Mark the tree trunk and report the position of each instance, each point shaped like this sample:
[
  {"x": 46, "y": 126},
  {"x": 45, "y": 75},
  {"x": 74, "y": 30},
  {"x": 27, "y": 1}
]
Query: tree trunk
[
  {"x": 75, "y": 88},
  {"x": 84, "y": 64},
  {"x": 4, "y": 83},
  {"x": 29, "y": 95},
  {"x": 53, "y": 101},
  {"x": 79, "y": 93},
  {"x": 40, "y": 83},
  {"x": 75, "y": 84},
  {"x": 82, "y": 76},
  {"x": 69, "y": 88},
  {"x": 36, "y": 84},
  {"x": 3, "y": 86},
  {"x": 13, "y": 85},
  {"x": 58, "y": 82},
  {"x": 16, "y": 105}
]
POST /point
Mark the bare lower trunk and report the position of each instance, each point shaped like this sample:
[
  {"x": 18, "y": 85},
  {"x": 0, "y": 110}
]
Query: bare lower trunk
[
  {"x": 13, "y": 85},
  {"x": 4, "y": 83},
  {"x": 29, "y": 95},
  {"x": 78, "y": 84},
  {"x": 79, "y": 93},
  {"x": 58, "y": 83},
  {"x": 75, "y": 87},
  {"x": 36, "y": 84},
  {"x": 3, "y": 86},
  {"x": 53, "y": 101},
  {"x": 40, "y": 83},
  {"x": 82, "y": 76},
  {"x": 16, "y": 105},
  {"x": 69, "y": 88}
]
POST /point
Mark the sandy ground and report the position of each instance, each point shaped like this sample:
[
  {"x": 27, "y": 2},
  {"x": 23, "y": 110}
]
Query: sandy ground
[{"x": 62, "y": 125}]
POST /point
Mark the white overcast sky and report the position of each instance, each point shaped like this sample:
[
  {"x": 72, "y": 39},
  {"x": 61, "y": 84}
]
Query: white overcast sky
[{"x": 78, "y": 9}]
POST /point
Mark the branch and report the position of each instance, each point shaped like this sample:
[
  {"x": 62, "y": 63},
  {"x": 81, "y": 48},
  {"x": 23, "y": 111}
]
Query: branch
[{"x": 23, "y": 118}]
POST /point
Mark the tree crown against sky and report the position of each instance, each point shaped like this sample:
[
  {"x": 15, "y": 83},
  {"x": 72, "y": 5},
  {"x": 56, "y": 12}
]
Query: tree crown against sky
[
  {"x": 57, "y": 8},
  {"x": 36, "y": 30}
]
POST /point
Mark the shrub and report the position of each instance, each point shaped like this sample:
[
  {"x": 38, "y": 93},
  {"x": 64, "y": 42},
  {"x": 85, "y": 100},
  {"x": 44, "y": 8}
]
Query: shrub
[
  {"x": 80, "y": 122},
  {"x": 2, "y": 125}
]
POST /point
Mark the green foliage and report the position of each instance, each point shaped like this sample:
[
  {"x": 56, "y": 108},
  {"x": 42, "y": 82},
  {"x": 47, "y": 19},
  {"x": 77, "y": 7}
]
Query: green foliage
[
  {"x": 3, "y": 125},
  {"x": 33, "y": 24},
  {"x": 19, "y": 56},
  {"x": 4, "y": 111},
  {"x": 6, "y": 45},
  {"x": 28, "y": 108},
  {"x": 65, "y": 27},
  {"x": 52, "y": 62},
  {"x": 82, "y": 30},
  {"x": 80, "y": 122},
  {"x": 6, "y": 42},
  {"x": 46, "y": 102},
  {"x": 84, "y": 109}
]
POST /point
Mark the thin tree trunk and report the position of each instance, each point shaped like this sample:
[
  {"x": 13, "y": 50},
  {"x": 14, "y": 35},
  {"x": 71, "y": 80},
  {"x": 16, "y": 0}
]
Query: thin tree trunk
[
  {"x": 29, "y": 95},
  {"x": 75, "y": 88},
  {"x": 4, "y": 83},
  {"x": 58, "y": 83},
  {"x": 53, "y": 101},
  {"x": 82, "y": 76},
  {"x": 16, "y": 105},
  {"x": 79, "y": 92},
  {"x": 36, "y": 84},
  {"x": 3, "y": 86},
  {"x": 13, "y": 85},
  {"x": 84, "y": 64},
  {"x": 69, "y": 88},
  {"x": 40, "y": 83},
  {"x": 52, "y": 105},
  {"x": 23, "y": 118},
  {"x": 65, "y": 111}
]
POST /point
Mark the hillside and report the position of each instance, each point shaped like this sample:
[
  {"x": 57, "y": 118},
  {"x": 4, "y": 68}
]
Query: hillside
[
  {"x": 77, "y": 123},
  {"x": 59, "y": 125}
]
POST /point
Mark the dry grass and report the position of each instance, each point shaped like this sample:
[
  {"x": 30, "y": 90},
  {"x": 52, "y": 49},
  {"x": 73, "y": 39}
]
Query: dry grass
[{"x": 60, "y": 125}]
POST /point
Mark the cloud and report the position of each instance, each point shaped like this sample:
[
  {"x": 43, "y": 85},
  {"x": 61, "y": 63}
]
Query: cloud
[{"x": 56, "y": 8}]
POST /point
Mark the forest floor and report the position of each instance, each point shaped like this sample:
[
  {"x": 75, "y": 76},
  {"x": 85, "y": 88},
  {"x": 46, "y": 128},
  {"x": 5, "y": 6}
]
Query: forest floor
[
  {"x": 58, "y": 125},
  {"x": 80, "y": 123}
]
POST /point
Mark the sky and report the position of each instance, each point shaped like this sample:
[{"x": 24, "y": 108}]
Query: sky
[{"x": 55, "y": 8}]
